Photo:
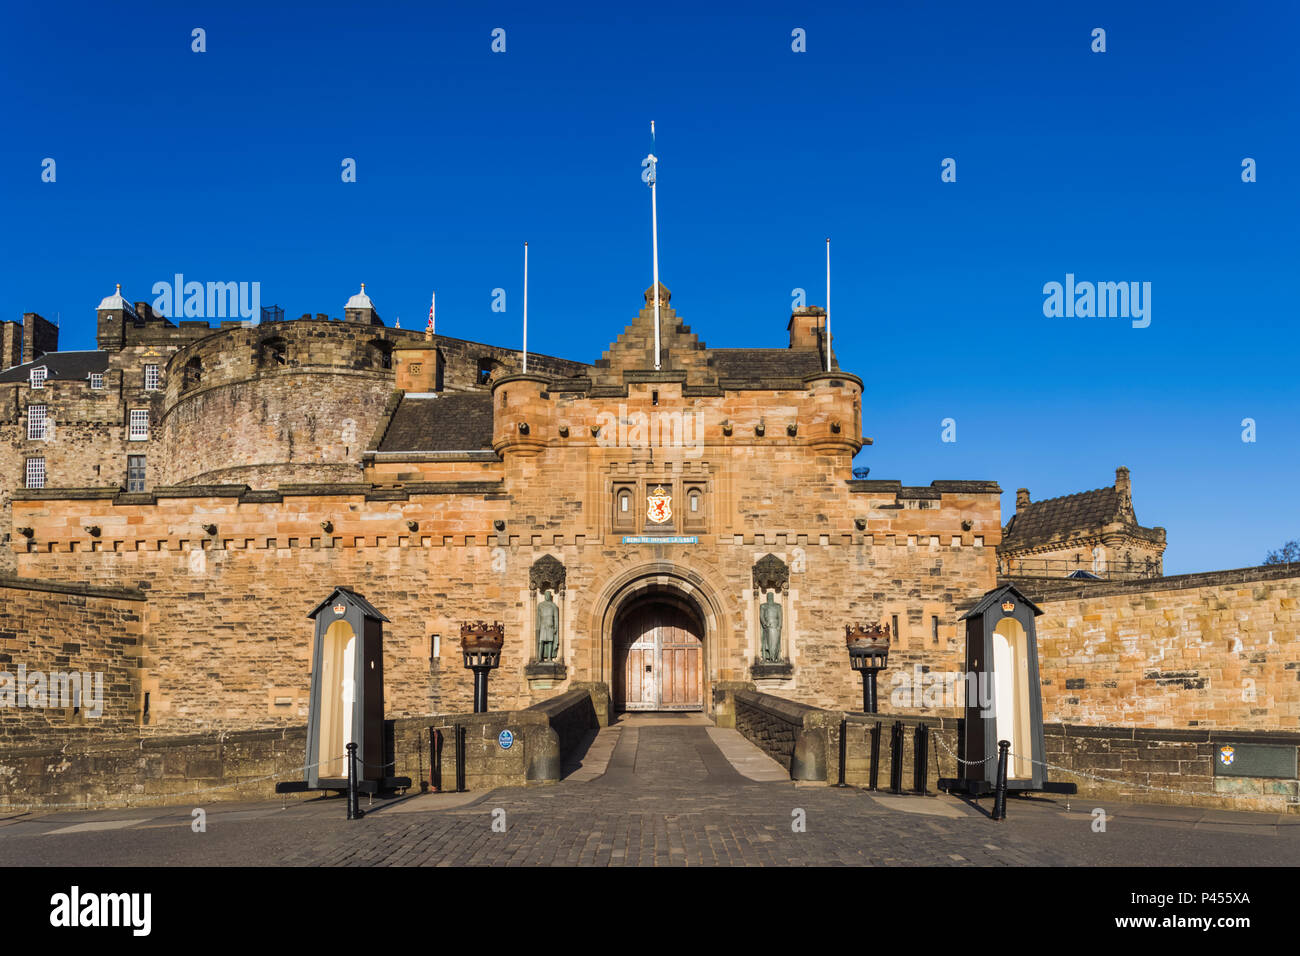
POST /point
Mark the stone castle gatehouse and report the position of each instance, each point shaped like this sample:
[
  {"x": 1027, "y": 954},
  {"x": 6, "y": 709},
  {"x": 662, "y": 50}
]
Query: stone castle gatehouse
[{"x": 673, "y": 530}]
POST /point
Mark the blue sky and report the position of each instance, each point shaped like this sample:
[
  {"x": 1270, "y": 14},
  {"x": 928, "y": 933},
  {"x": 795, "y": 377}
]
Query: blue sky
[{"x": 1115, "y": 166}]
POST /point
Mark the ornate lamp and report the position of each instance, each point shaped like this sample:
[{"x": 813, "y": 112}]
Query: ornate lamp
[
  {"x": 868, "y": 646},
  {"x": 481, "y": 644}
]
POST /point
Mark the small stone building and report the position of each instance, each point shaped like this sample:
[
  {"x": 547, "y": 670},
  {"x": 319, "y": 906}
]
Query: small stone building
[{"x": 1086, "y": 536}]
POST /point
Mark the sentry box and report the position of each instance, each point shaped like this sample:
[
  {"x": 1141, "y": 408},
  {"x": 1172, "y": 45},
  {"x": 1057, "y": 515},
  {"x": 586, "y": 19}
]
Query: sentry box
[
  {"x": 347, "y": 698},
  {"x": 1003, "y": 698}
]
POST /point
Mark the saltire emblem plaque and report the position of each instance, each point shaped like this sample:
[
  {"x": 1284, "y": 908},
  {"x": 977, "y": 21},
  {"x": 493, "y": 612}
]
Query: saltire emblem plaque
[
  {"x": 1227, "y": 755},
  {"x": 659, "y": 504}
]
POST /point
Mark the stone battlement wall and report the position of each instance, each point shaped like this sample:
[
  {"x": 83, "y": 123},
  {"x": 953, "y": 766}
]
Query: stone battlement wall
[
  {"x": 1219, "y": 650},
  {"x": 230, "y": 642}
]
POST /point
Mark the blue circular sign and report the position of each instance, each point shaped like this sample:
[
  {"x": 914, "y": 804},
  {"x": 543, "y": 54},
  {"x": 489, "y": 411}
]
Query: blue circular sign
[{"x": 505, "y": 739}]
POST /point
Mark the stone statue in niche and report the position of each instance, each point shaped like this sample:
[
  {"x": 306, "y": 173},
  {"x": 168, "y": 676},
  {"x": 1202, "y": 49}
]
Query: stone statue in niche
[
  {"x": 548, "y": 629},
  {"x": 769, "y": 618}
]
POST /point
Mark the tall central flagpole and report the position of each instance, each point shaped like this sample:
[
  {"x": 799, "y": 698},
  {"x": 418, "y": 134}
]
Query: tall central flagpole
[
  {"x": 649, "y": 176},
  {"x": 525, "y": 308},
  {"x": 828, "y": 304}
]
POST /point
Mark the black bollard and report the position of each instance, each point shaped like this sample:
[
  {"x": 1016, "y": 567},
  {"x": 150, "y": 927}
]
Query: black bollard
[
  {"x": 459, "y": 730},
  {"x": 844, "y": 749},
  {"x": 435, "y": 759},
  {"x": 1000, "y": 797},
  {"x": 920, "y": 758},
  {"x": 875, "y": 755},
  {"x": 896, "y": 758},
  {"x": 354, "y": 811}
]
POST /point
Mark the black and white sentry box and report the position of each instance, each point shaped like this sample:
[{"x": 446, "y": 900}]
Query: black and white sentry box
[
  {"x": 347, "y": 691},
  {"x": 1003, "y": 695}
]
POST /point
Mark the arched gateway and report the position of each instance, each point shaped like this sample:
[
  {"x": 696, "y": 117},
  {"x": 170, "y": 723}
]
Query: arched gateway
[{"x": 659, "y": 628}]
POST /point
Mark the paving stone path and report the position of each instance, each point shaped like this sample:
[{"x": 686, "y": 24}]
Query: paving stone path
[{"x": 664, "y": 791}]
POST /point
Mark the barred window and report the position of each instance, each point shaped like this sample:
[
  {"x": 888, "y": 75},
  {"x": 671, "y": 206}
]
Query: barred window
[
  {"x": 151, "y": 378},
  {"x": 38, "y": 377},
  {"x": 35, "y": 472},
  {"x": 135, "y": 473},
  {"x": 96, "y": 379},
  {"x": 138, "y": 425},
  {"x": 36, "y": 422}
]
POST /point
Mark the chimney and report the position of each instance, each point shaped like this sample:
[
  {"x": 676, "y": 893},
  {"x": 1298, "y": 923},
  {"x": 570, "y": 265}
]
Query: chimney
[
  {"x": 1022, "y": 499},
  {"x": 40, "y": 337},
  {"x": 805, "y": 327},
  {"x": 1124, "y": 488},
  {"x": 11, "y": 344}
]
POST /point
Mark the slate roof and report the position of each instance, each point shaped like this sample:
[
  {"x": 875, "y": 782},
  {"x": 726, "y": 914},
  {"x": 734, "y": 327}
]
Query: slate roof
[
  {"x": 1052, "y": 519},
  {"x": 62, "y": 365},
  {"x": 453, "y": 421},
  {"x": 765, "y": 365}
]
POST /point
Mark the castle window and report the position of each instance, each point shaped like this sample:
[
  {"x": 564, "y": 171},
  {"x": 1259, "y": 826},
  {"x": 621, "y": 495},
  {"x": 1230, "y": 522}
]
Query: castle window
[
  {"x": 38, "y": 377},
  {"x": 272, "y": 352},
  {"x": 152, "y": 378},
  {"x": 896, "y": 635},
  {"x": 96, "y": 380},
  {"x": 695, "y": 501},
  {"x": 137, "y": 426},
  {"x": 36, "y": 422},
  {"x": 934, "y": 628},
  {"x": 381, "y": 354},
  {"x": 193, "y": 374},
  {"x": 135, "y": 472},
  {"x": 624, "y": 506},
  {"x": 485, "y": 369},
  {"x": 35, "y": 472}
]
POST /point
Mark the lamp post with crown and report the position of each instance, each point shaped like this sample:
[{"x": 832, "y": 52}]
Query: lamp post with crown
[
  {"x": 480, "y": 645},
  {"x": 868, "y": 646}
]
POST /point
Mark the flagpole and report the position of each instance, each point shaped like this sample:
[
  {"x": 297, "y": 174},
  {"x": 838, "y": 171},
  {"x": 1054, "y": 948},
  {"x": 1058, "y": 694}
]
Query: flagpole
[
  {"x": 828, "y": 304},
  {"x": 654, "y": 236},
  {"x": 525, "y": 308}
]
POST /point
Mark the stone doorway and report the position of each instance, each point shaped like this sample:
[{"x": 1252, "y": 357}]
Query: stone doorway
[{"x": 658, "y": 656}]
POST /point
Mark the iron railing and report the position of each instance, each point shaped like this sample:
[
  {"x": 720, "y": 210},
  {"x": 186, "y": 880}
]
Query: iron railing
[{"x": 1120, "y": 569}]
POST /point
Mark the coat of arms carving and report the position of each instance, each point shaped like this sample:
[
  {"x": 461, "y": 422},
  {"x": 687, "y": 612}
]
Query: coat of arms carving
[{"x": 659, "y": 505}]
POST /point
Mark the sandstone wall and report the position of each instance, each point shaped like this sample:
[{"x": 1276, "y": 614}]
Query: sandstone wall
[
  {"x": 230, "y": 643},
  {"x": 1216, "y": 650},
  {"x": 50, "y": 629}
]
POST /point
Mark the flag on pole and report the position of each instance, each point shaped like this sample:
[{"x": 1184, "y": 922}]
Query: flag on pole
[
  {"x": 429, "y": 328},
  {"x": 648, "y": 177}
]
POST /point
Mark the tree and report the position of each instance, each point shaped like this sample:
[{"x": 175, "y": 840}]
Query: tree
[{"x": 1289, "y": 553}]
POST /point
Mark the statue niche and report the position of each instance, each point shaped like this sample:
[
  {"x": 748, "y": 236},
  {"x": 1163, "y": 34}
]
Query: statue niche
[
  {"x": 546, "y": 599},
  {"x": 772, "y": 597},
  {"x": 547, "y": 622}
]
